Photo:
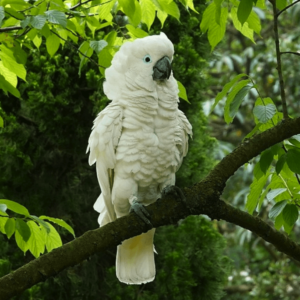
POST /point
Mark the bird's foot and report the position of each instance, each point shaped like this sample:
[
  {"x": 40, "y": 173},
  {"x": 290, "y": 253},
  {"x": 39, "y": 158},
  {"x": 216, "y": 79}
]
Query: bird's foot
[
  {"x": 174, "y": 191},
  {"x": 141, "y": 211}
]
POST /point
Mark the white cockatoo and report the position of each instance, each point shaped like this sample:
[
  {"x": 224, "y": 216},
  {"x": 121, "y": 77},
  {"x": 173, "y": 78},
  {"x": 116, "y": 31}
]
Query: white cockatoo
[{"x": 138, "y": 142}]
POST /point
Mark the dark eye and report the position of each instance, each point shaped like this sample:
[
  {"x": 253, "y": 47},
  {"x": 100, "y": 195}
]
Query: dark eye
[{"x": 147, "y": 59}]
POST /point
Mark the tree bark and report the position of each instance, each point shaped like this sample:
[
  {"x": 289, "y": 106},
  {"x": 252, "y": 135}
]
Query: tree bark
[{"x": 201, "y": 198}]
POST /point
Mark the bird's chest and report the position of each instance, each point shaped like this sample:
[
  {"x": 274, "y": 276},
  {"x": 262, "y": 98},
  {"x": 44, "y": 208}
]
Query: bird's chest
[{"x": 146, "y": 148}]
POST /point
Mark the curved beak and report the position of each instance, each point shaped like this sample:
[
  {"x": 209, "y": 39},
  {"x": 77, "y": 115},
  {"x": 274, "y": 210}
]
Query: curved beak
[{"x": 162, "y": 69}]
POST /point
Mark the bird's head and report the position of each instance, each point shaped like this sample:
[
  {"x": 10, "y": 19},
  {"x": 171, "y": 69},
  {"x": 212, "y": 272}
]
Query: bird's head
[{"x": 140, "y": 65}]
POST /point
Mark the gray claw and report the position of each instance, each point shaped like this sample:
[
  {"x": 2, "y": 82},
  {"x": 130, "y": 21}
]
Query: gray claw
[
  {"x": 141, "y": 211},
  {"x": 174, "y": 190}
]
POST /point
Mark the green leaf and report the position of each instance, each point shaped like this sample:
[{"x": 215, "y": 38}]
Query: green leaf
[
  {"x": 182, "y": 92},
  {"x": 266, "y": 159},
  {"x": 215, "y": 31},
  {"x": 56, "y": 17},
  {"x": 255, "y": 191},
  {"x": 136, "y": 32},
  {"x": 230, "y": 98},
  {"x": 8, "y": 75},
  {"x": 20, "y": 241},
  {"x": 279, "y": 221},
  {"x": 290, "y": 214},
  {"x": 52, "y": 239},
  {"x": 59, "y": 222},
  {"x": 2, "y": 224},
  {"x": 41, "y": 222},
  {"x": 10, "y": 227},
  {"x": 7, "y": 87},
  {"x": 218, "y": 10},
  {"x": 254, "y": 22},
  {"x": 104, "y": 12},
  {"x": 280, "y": 163},
  {"x": 171, "y": 8},
  {"x": 162, "y": 16},
  {"x": 15, "y": 207},
  {"x": 137, "y": 17},
  {"x": 104, "y": 60},
  {"x": 244, "y": 10},
  {"x": 25, "y": 22},
  {"x": 3, "y": 207},
  {"x": 52, "y": 44},
  {"x": 225, "y": 89},
  {"x": 36, "y": 242},
  {"x": 86, "y": 49},
  {"x": 2, "y": 14},
  {"x": 1, "y": 126},
  {"x": 277, "y": 209},
  {"x": 293, "y": 160},
  {"x": 38, "y": 21},
  {"x": 10, "y": 63},
  {"x": 13, "y": 13},
  {"x": 264, "y": 113},
  {"x": 274, "y": 193},
  {"x": 23, "y": 229},
  {"x": 244, "y": 29},
  {"x": 148, "y": 12},
  {"x": 98, "y": 45},
  {"x": 238, "y": 99},
  {"x": 281, "y": 4},
  {"x": 128, "y": 7}
]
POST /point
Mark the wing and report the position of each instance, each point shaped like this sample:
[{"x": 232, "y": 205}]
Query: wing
[
  {"x": 102, "y": 145},
  {"x": 182, "y": 136}
]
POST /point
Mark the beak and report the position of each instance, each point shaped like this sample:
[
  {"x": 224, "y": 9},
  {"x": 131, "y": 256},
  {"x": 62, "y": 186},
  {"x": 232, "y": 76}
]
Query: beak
[{"x": 162, "y": 69}]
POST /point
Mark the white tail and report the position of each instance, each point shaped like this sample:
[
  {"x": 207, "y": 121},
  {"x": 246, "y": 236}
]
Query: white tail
[{"x": 135, "y": 259}]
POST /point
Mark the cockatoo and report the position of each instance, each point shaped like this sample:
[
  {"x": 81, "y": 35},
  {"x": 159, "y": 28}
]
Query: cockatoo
[{"x": 138, "y": 142}]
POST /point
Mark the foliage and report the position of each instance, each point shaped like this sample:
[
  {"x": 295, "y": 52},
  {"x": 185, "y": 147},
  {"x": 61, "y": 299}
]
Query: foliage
[
  {"x": 96, "y": 29},
  {"x": 31, "y": 233}
]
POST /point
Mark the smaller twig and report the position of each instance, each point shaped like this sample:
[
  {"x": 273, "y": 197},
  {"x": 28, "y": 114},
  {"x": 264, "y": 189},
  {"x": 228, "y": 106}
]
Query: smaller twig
[
  {"x": 279, "y": 13},
  {"x": 31, "y": 7},
  {"x": 6, "y": 29},
  {"x": 279, "y": 69},
  {"x": 25, "y": 32},
  {"x": 290, "y": 52},
  {"x": 79, "y": 4},
  {"x": 13, "y": 16},
  {"x": 95, "y": 63}
]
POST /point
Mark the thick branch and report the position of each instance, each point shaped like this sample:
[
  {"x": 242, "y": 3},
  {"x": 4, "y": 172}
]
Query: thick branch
[
  {"x": 202, "y": 198},
  {"x": 279, "y": 69},
  {"x": 6, "y": 29}
]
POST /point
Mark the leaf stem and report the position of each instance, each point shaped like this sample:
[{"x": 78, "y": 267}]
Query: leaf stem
[
  {"x": 285, "y": 184},
  {"x": 279, "y": 69}
]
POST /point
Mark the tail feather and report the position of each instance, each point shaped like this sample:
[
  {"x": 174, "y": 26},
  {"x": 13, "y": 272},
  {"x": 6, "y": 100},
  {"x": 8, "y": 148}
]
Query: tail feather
[{"x": 135, "y": 259}]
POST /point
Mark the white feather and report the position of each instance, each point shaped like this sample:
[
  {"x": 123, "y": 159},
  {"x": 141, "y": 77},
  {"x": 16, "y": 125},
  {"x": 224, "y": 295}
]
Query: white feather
[{"x": 142, "y": 136}]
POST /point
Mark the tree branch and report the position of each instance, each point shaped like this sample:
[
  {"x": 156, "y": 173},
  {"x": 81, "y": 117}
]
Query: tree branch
[
  {"x": 202, "y": 198},
  {"x": 279, "y": 13},
  {"x": 90, "y": 59},
  {"x": 279, "y": 69},
  {"x": 290, "y": 52},
  {"x": 6, "y": 29}
]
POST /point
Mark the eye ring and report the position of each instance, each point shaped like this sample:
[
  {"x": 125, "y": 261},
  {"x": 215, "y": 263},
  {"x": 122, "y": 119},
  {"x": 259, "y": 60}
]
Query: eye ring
[{"x": 147, "y": 59}]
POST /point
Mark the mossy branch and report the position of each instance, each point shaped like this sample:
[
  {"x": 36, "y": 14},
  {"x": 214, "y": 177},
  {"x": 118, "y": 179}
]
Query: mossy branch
[{"x": 202, "y": 198}]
